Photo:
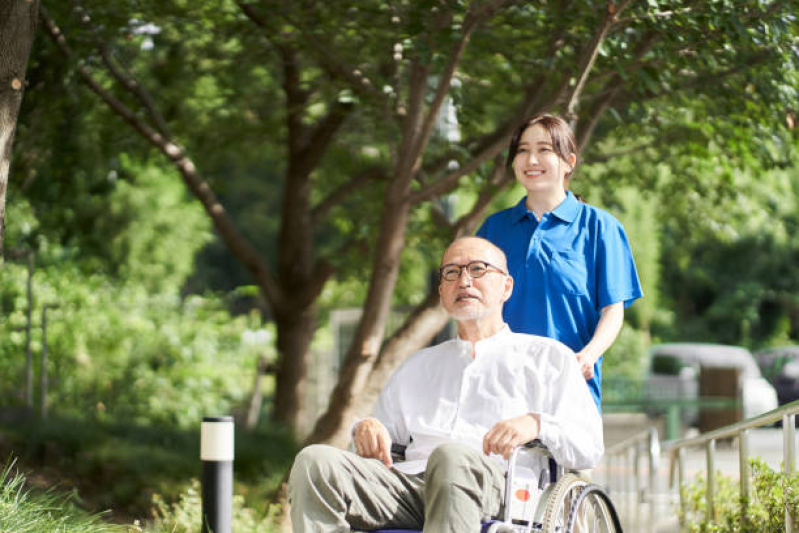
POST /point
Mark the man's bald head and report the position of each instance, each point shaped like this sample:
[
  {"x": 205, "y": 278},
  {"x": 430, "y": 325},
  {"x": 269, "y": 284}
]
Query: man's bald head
[
  {"x": 474, "y": 281},
  {"x": 478, "y": 245}
]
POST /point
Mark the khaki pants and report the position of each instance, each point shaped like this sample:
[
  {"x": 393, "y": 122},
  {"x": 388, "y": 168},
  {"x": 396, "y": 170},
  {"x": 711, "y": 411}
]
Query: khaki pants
[{"x": 334, "y": 491}]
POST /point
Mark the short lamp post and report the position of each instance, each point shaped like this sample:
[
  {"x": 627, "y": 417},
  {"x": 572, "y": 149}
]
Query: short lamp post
[{"x": 216, "y": 454}]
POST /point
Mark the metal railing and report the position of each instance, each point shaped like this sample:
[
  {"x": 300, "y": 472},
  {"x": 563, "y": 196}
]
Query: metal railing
[
  {"x": 623, "y": 475},
  {"x": 786, "y": 414}
]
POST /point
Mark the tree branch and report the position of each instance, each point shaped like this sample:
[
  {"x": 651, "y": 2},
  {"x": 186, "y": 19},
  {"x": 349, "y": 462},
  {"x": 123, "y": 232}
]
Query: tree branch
[
  {"x": 334, "y": 66},
  {"x": 123, "y": 76},
  {"x": 500, "y": 179},
  {"x": 703, "y": 79},
  {"x": 341, "y": 193},
  {"x": 321, "y": 136},
  {"x": 426, "y": 320},
  {"x": 227, "y": 230},
  {"x": 471, "y": 21},
  {"x": 490, "y": 144},
  {"x": 296, "y": 100},
  {"x": 611, "y": 92},
  {"x": 322, "y": 271},
  {"x": 589, "y": 54}
]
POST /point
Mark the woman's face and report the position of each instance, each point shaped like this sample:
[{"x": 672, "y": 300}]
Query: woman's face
[{"x": 537, "y": 167}]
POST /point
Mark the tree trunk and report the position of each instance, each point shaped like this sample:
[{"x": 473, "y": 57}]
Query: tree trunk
[
  {"x": 362, "y": 354},
  {"x": 294, "y": 333},
  {"x": 17, "y": 29}
]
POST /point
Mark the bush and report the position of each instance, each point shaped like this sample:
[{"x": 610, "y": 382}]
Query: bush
[
  {"x": 772, "y": 493},
  {"x": 185, "y": 515},
  {"x": 120, "y": 466}
]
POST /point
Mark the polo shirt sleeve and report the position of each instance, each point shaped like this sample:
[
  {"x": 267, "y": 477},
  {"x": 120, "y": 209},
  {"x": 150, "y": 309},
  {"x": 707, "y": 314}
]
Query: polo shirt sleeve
[{"x": 616, "y": 275}]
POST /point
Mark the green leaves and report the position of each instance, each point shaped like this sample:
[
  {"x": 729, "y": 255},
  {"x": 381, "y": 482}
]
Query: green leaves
[{"x": 773, "y": 493}]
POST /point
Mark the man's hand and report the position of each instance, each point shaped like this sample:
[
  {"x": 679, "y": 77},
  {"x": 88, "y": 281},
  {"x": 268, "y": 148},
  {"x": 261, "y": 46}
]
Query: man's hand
[
  {"x": 507, "y": 435},
  {"x": 372, "y": 440}
]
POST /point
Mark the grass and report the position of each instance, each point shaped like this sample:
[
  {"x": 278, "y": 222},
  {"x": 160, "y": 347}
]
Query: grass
[{"x": 23, "y": 510}]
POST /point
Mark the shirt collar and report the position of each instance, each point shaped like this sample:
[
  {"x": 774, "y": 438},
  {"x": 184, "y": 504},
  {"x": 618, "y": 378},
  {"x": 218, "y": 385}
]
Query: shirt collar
[
  {"x": 568, "y": 208},
  {"x": 566, "y": 211},
  {"x": 496, "y": 337}
]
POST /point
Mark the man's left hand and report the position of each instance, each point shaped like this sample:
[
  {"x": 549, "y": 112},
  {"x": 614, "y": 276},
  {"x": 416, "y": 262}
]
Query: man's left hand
[{"x": 508, "y": 435}]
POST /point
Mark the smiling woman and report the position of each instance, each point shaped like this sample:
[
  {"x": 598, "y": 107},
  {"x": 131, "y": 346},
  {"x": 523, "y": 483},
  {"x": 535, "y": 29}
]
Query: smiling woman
[{"x": 572, "y": 263}]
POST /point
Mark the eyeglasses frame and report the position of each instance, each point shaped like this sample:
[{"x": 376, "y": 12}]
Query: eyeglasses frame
[{"x": 461, "y": 268}]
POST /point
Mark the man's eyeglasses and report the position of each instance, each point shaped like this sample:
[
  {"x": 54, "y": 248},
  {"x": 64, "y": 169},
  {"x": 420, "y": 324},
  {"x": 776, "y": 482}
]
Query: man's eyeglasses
[{"x": 476, "y": 269}]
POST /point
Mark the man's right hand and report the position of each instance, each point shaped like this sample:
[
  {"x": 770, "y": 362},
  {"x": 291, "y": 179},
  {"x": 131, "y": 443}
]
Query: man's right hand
[{"x": 372, "y": 440}]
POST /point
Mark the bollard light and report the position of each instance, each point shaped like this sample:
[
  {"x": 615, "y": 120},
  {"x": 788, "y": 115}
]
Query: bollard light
[{"x": 216, "y": 454}]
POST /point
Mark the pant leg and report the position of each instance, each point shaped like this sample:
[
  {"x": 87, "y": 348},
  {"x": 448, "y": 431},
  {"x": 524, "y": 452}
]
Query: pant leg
[
  {"x": 462, "y": 487},
  {"x": 332, "y": 491}
]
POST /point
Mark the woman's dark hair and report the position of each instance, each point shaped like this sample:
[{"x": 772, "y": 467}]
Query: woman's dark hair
[{"x": 558, "y": 129}]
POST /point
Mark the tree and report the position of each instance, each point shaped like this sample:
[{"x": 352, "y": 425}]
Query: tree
[
  {"x": 370, "y": 78},
  {"x": 17, "y": 30}
]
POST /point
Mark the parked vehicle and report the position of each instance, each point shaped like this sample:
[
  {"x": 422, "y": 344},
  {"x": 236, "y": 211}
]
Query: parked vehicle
[
  {"x": 780, "y": 366},
  {"x": 674, "y": 375}
]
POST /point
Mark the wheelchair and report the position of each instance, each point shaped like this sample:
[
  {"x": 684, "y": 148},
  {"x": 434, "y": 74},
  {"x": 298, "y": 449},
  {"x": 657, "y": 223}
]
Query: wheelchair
[{"x": 555, "y": 501}]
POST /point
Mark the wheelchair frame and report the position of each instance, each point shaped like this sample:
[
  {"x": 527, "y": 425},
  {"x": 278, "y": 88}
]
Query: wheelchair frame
[{"x": 555, "y": 501}]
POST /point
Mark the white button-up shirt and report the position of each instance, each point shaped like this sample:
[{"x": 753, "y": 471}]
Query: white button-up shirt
[{"x": 441, "y": 394}]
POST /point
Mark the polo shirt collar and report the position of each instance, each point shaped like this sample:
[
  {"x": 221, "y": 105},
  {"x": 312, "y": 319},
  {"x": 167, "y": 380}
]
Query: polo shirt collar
[
  {"x": 520, "y": 211},
  {"x": 567, "y": 210}
]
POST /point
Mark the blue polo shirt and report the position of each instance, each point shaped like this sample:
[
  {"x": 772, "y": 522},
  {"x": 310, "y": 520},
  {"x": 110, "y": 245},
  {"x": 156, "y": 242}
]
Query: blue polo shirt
[{"x": 566, "y": 268}]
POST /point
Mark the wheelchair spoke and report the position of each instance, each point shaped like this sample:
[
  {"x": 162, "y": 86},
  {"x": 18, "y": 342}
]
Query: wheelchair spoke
[
  {"x": 561, "y": 502},
  {"x": 593, "y": 512}
]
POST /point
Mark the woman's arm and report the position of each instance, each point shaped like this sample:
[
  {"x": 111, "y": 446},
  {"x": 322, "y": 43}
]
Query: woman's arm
[{"x": 607, "y": 330}]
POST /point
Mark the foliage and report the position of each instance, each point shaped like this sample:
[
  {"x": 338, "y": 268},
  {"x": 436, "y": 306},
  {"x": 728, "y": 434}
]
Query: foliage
[
  {"x": 119, "y": 466},
  {"x": 627, "y": 357},
  {"x": 244, "y": 87},
  {"x": 185, "y": 516},
  {"x": 752, "y": 224},
  {"x": 122, "y": 342},
  {"x": 25, "y": 511},
  {"x": 772, "y": 493},
  {"x": 118, "y": 353}
]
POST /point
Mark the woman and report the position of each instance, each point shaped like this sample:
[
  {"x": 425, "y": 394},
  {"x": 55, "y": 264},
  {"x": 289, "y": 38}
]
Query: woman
[{"x": 572, "y": 265}]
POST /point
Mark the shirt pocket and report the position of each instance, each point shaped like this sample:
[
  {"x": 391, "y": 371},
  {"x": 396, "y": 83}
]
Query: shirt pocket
[{"x": 568, "y": 273}]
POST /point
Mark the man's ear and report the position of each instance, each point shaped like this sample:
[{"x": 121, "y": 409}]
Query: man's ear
[{"x": 508, "y": 288}]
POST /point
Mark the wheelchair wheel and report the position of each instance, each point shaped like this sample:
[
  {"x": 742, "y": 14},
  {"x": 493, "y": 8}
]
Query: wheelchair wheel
[
  {"x": 561, "y": 501},
  {"x": 593, "y": 512}
]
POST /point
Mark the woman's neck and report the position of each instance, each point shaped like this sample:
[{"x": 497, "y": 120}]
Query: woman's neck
[{"x": 539, "y": 204}]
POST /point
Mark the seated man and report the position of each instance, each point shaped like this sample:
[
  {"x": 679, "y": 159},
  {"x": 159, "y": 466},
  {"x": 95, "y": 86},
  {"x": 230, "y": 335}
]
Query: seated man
[{"x": 460, "y": 407}]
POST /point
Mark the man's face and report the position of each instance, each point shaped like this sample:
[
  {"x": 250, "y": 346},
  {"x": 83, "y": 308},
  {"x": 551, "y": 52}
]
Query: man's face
[{"x": 468, "y": 298}]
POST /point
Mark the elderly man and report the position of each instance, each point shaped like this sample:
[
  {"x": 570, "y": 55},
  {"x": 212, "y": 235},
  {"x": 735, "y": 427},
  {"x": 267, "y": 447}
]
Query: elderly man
[{"x": 460, "y": 407}]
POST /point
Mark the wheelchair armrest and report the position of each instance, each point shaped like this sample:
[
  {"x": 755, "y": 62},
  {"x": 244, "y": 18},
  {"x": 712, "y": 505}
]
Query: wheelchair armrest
[
  {"x": 536, "y": 443},
  {"x": 398, "y": 452}
]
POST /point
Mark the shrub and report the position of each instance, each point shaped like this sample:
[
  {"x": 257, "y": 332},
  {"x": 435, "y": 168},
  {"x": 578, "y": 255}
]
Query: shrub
[
  {"x": 185, "y": 515},
  {"x": 772, "y": 493}
]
